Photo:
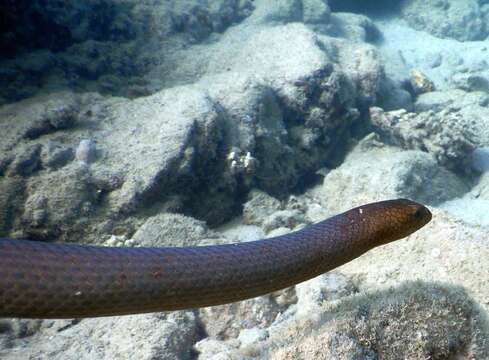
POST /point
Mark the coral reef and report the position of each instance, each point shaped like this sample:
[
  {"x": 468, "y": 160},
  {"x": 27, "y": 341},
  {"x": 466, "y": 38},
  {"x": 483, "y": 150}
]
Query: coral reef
[
  {"x": 446, "y": 135},
  {"x": 382, "y": 326},
  {"x": 270, "y": 120}
]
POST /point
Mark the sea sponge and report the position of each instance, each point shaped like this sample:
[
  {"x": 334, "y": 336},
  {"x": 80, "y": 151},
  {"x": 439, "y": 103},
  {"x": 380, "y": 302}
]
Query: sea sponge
[
  {"x": 420, "y": 82},
  {"x": 86, "y": 151}
]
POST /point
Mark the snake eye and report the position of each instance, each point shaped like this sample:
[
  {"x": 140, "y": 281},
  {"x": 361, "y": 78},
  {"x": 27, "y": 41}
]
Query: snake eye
[{"x": 419, "y": 213}]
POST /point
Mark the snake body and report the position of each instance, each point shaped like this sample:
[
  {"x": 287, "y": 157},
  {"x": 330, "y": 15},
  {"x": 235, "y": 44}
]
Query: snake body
[{"x": 48, "y": 280}]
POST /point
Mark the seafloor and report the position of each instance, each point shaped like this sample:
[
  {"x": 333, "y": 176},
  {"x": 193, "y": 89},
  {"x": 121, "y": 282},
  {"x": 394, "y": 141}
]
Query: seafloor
[{"x": 177, "y": 123}]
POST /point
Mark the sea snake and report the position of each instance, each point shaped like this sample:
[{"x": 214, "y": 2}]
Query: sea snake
[{"x": 49, "y": 280}]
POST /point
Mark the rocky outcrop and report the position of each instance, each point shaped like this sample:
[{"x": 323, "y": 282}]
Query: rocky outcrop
[
  {"x": 266, "y": 106},
  {"x": 163, "y": 336},
  {"x": 461, "y": 20},
  {"x": 374, "y": 171},
  {"x": 446, "y": 135}
]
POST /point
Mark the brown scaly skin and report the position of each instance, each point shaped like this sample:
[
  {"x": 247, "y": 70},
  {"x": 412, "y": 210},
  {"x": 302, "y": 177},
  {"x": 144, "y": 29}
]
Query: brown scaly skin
[{"x": 42, "y": 280}]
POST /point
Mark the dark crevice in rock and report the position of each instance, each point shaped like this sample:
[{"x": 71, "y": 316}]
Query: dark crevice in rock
[
  {"x": 27, "y": 162},
  {"x": 197, "y": 178},
  {"x": 105, "y": 45},
  {"x": 56, "y": 25},
  {"x": 317, "y": 136},
  {"x": 368, "y": 7},
  {"x": 212, "y": 196},
  {"x": 12, "y": 198}
]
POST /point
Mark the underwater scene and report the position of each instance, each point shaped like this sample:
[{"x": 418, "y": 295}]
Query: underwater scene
[{"x": 244, "y": 179}]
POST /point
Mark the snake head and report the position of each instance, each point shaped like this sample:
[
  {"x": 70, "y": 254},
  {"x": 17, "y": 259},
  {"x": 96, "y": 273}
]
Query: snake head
[
  {"x": 386, "y": 221},
  {"x": 396, "y": 219}
]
